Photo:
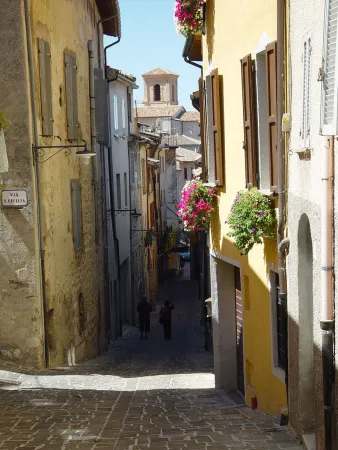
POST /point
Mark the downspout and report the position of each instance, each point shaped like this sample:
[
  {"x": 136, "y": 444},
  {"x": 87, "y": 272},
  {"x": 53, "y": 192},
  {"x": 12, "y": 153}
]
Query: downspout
[
  {"x": 188, "y": 60},
  {"x": 327, "y": 314},
  {"x": 281, "y": 178},
  {"x": 99, "y": 37},
  {"x": 38, "y": 180},
  {"x": 105, "y": 55}
]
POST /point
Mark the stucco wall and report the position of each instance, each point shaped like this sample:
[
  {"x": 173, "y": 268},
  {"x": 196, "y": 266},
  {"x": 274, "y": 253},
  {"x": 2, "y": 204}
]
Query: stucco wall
[
  {"x": 221, "y": 50},
  {"x": 21, "y": 318}
]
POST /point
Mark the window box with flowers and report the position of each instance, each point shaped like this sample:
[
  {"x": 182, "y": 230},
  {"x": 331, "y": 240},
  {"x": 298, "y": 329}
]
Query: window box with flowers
[
  {"x": 188, "y": 16},
  {"x": 196, "y": 205},
  {"x": 252, "y": 218}
]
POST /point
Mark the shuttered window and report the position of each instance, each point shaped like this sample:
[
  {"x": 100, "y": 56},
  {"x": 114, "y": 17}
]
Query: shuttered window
[
  {"x": 329, "y": 97},
  {"x": 215, "y": 147},
  {"x": 249, "y": 121},
  {"x": 271, "y": 84},
  {"x": 76, "y": 213},
  {"x": 306, "y": 91},
  {"x": 45, "y": 87},
  {"x": 202, "y": 129},
  {"x": 71, "y": 96},
  {"x": 116, "y": 116}
]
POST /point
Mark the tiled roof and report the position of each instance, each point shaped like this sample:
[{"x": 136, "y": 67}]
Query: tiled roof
[
  {"x": 157, "y": 111},
  {"x": 190, "y": 116},
  {"x": 110, "y": 8},
  {"x": 187, "y": 155},
  {"x": 113, "y": 72},
  {"x": 185, "y": 140},
  {"x": 160, "y": 71}
]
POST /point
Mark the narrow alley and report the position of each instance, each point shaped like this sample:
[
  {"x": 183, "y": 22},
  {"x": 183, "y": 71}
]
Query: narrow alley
[{"x": 142, "y": 394}]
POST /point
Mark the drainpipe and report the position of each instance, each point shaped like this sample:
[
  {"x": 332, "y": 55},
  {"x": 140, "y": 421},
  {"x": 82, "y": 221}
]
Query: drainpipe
[
  {"x": 281, "y": 177},
  {"x": 105, "y": 54},
  {"x": 37, "y": 179},
  {"x": 99, "y": 37},
  {"x": 188, "y": 60},
  {"x": 327, "y": 314}
]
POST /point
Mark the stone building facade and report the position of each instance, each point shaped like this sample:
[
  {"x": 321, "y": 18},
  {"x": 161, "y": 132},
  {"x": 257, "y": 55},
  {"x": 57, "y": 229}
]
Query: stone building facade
[{"x": 52, "y": 307}]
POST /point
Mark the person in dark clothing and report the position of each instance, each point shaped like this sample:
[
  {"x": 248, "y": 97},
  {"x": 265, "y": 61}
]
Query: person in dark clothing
[
  {"x": 165, "y": 318},
  {"x": 144, "y": 309}
]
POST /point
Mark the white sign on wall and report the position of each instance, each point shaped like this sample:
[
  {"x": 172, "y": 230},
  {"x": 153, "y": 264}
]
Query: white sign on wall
[{"x": 15, "y": 198}]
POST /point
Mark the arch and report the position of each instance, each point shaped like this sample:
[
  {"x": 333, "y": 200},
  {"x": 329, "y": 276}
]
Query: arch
[
  {"x": 306, "y": 344},
  {"x": 157, "y": 93}
]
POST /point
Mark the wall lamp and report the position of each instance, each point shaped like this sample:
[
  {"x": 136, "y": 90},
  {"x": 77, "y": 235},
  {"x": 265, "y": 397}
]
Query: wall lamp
[{"x": 84, "y": 154}]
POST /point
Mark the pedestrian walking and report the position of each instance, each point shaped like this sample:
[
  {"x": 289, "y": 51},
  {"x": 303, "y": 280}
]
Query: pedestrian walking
[
  {"x": 144, "y": 309},
  {"x": 165, "y": 318}
]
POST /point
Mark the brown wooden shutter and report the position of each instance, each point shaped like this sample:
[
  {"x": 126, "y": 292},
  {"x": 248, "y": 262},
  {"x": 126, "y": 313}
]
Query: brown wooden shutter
[
  {"x": 202, "y": 130},
  {"x": 217, "y": 127},
  {"x": 71, "y": 96},
  {"x": 271, "y": 85},
  {"x": 45, "y": 87},
  {"x": 249, "y": 121}
]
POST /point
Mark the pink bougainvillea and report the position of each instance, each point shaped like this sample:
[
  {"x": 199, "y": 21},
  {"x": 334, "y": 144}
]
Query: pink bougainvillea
[
  {"x": 196, "y": 205},
  {"x": 188, "y": 16}
]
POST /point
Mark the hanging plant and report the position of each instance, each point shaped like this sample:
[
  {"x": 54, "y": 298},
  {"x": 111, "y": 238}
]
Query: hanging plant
[
  {"x": 196, "y": 205},
  {"x": 252, "y": 218},
  {"x": 188, "y": 16},
  {"x": 148, "y": 240},
  {"x": 4, "y": 122}
]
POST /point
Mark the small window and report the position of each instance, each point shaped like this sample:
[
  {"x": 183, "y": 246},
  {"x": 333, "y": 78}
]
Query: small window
[
  {"x": 116, "y": 117},
  {"x": 82, "y": 316},
  {"x": 173, "y": 92},
  {"x": 157, "y": 93},
  {"x": 124, "y": 118},
  {"x": 118, "y": 191},
  {"x": 185, "y": 173},
  {"x": 45, "y": 88},
  {"x": 71, "y": 96},
  {"x": 125, "y": 190},
  {"x": 76, "y": 213}
]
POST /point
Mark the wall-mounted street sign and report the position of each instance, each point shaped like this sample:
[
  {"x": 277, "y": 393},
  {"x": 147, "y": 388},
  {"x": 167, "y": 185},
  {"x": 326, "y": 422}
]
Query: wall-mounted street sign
[{"x": 14, "y": 198}]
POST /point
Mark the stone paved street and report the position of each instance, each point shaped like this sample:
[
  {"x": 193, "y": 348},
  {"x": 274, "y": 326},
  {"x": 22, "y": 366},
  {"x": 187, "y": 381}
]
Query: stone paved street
[{"x": 142, "y": 394}]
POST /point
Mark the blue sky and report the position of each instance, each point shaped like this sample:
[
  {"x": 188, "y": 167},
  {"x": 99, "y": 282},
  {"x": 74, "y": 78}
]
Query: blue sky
[{"x": 149, "y": 40}]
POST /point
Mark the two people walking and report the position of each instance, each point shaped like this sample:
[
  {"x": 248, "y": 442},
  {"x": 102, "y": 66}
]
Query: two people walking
[{"x": 144, "y": 309}]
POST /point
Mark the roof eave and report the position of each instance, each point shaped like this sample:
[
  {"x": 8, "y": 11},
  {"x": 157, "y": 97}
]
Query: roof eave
[{"x": 110, "y": 10}]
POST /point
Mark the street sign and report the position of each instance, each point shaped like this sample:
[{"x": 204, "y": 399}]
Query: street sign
[{"x": 14, "y": 198}]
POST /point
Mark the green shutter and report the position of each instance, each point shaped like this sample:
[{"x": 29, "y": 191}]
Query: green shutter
[
  {"x": 45, "y": 87},
  {"x": 71, "y": 96}
]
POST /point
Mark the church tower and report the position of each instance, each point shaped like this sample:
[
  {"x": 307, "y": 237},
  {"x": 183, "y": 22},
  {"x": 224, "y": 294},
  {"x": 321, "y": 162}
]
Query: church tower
[{"x": 160, "y": 87}]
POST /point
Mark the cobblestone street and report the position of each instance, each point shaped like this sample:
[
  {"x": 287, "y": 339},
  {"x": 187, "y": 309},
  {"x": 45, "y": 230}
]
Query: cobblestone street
[{"x": 142, "y": 394}]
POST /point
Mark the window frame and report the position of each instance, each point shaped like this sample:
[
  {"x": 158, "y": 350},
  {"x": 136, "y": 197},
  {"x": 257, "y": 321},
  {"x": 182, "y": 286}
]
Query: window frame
[{"x": 116, "y": 115}]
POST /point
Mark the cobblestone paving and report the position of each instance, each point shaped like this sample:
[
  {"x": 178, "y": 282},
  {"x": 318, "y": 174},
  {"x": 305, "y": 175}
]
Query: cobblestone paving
[{"x": 142, "y": 394}]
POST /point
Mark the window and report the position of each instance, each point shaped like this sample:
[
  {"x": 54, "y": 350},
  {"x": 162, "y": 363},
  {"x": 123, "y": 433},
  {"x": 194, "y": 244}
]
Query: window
[
  {"x": 329, "y": 76},
  {"x": 259, "y": 118},
  {"x": 124, "y": 117},
  {"x": 278, "y": 312},
  {"x": 76, "y": 213},
  {"x": 215, "y": 147},
  {"x": 306, "y": 91},
  {"x": 71, "y": 96},
  {"x": 173, "y": 92},
  {"x": 125, "y": 190},
  {"x": 116, "y": 116},
  {"x": 45, "y": 87},
  {"x": 118, "y": 191},
  {"x": 185, "y": 173},
  {"x": 157, "y": 93},
  {"x": 144, "y": 176}
]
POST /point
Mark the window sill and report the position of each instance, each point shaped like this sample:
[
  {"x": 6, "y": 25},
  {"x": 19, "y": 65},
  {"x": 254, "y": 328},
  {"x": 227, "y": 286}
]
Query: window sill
[
  {"x": 268, "y": 192},
  {"x": 116, "y": 136},
  {"x": 279, "y": 373},
  {"x": 212, "y": 185}
]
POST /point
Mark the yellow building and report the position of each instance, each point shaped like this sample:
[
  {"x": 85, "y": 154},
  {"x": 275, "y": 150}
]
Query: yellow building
[
  {"x": 55, "y": 308},
  {"x": 238, "y": 107}
]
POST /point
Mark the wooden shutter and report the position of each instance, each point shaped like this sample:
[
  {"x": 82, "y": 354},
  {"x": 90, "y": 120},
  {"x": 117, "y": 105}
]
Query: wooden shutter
[
  {"x": 217, "y": 127},
  {"x": 306, "y": 91},
  {"x": 202, "y": 130},
  {"x": 249, "y": 121},
  {"x": 271, "y": 85},
  {"x": 77, "y": 214},
  {"x": 45, "y": 87},
  {"x": 71, "y": 96},
  {"x": 329, "y": 96}
]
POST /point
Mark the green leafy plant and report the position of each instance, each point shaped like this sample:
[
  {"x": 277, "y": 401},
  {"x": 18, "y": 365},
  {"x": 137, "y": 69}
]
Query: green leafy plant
[
  {"x": 252, "y": 218},
  {"x": 4, "y": 122},
  {"x": 148, "y": 240}
]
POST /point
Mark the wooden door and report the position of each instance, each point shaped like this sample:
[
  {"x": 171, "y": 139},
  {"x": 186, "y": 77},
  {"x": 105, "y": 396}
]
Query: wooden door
[{"x": 239, "y": 330}]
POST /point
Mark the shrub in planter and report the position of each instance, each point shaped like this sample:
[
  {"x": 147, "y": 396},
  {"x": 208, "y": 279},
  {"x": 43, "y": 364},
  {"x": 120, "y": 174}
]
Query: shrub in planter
[
  {"x": 196, "y": 205},
  {"x": 188, "y": 16},
  {"x": 252, "y": 218}
]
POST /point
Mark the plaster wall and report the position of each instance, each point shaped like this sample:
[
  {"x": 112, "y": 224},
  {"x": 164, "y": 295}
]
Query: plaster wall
[
  {"x": 166, "y": 84},
  {"x": 191, "y": 129},
  {"x": 221, "y": 50}
]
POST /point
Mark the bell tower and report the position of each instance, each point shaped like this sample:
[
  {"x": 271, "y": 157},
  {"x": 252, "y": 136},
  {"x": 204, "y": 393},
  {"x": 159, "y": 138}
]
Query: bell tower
[{"x": 160, "y": 87}]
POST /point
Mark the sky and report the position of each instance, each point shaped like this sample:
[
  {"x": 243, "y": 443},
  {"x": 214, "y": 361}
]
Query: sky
[{"x": 149, "y": 40}]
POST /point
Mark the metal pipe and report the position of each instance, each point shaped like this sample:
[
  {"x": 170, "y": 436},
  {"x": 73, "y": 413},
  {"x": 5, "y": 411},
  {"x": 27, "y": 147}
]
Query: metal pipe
[
  {"x": 327, "y": 310},
  {"x": 37, "y": 179},
  {"x": 281, "y": 175},
  {"x": 105, "y": 55},
  {"x": 99, "y": 37},
  {"x": 188, "y": 60}
]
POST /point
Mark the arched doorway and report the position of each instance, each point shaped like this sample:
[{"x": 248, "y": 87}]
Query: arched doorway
[{"x": 306, "y": 345}]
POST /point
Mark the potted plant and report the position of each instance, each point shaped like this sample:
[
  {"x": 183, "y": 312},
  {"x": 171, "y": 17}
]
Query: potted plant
[
  {"x": 252, "y": 218},
  {"x": 188, "y": 16},
  {"x": 196, "y": 205}
]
